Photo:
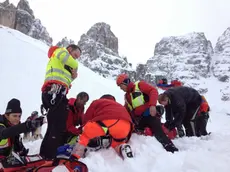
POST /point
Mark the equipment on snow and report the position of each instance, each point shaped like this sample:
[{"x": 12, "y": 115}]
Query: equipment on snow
[
  {"x": 35, "y": 163},
  {"x": 18, "y": 163},
  {"x": 71, "y": 165}
]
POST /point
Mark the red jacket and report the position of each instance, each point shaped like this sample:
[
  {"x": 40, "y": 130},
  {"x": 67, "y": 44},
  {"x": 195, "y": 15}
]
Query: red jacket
[
  {"x": 148, "y": 90},
  {"x": 176, "y": 83},
  {"x": 103, "y": 109},
  {"x": 74, "y": 118}
]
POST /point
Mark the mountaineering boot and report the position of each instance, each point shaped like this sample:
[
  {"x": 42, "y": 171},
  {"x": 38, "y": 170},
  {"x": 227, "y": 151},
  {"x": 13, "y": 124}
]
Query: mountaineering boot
[
  {"x": 170, "y": 147},
  {"x": 124, "y": 151}
]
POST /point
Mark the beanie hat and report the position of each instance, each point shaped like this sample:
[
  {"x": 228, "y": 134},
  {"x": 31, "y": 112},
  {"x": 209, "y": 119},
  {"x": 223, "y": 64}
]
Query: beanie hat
[{"x": 13, "y": 106}]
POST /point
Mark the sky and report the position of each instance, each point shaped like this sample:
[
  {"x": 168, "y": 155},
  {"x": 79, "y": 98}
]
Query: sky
[{"x": 138, "y": 24}]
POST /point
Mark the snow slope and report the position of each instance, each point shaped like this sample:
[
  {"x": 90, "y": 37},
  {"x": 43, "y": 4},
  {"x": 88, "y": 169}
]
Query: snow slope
[{"x": 22, "y": 67}]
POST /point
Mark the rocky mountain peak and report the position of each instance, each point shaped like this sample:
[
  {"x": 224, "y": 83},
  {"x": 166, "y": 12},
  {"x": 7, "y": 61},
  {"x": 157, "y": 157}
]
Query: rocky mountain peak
[
  {"x": 101, "y": 33},
  {"x": 24, "y": 5},
  {"x": 65, "y": 42},
  {"x": 22, "y": 19},
  {"x": 186, "y": 57},
  {"x": 221, "y": 63},
  {"x": 223, "y": 42},
  {"x": 100, "y": 52}
]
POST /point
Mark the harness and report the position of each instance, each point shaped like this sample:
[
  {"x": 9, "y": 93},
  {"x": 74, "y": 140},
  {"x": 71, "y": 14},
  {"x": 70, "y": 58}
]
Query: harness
[
  {"x": 106, "y": 130},
  {"x": 54, "y": 90}
]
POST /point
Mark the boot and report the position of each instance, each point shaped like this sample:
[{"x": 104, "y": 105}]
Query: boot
[
  {"x": 124, "y": 151},
  {"x": 170, "y": 147}
]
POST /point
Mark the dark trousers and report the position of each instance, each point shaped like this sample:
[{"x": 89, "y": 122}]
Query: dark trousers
[
  {"x": 154, "y": 124},
  {"x": 56, "y": 119},
  {"x": 190, "y": 118},
  {"x": 201, "y": 124}
]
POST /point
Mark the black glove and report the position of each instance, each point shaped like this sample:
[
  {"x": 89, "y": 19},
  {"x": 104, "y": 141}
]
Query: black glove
[
  {"x": 24, "y": 152},
  {"x": 167, "y": 125},
  {"x": 35, "y": 123}
]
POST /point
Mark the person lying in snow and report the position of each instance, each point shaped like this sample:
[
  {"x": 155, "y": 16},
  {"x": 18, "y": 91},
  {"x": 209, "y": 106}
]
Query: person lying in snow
[
  {"x": 74, "y": 119},
  {"x": 10, "y": 130},
  {"x": 140, "y": 101},
  {"x": 108, "y": 120},
  {"x": 185, "y": 106},
  {"x": 163, "y": 84}
]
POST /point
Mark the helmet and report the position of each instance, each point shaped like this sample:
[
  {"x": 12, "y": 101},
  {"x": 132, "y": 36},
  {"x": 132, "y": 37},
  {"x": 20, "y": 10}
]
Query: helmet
[{"x": 121, "y": 78}]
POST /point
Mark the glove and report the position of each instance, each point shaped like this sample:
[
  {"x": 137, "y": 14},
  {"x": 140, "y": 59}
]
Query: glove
[
  {"x": 100, "y": 142},
  {"x": 167, "y": 125},
  {"x": 65, "y": 150},
  {"x": 24, "y": 152},
  {"x": 148, "y": 132},
  {"x": 35, "y": 123}
]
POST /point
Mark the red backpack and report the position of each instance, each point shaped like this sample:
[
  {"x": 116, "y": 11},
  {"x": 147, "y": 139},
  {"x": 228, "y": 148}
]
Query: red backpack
[{"x": 51, "y": 50}]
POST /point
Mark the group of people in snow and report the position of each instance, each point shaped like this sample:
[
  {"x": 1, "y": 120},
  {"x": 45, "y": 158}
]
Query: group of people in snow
[{"x": 72, "y": 132}]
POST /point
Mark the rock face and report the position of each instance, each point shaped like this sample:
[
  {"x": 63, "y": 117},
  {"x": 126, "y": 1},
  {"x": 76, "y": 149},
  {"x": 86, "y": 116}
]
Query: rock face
[
  {"x": 65, "y": 42},
  {"x": 186, "y": 57},
  {"x": 22, "y": 19},
  {"x": 221, "y": 63},
  {"x": 7, "y": 14},
  {"x": 100, "y": 52}
]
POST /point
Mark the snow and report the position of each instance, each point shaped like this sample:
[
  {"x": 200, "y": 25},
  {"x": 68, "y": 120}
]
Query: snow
[{"x": 22, "y": 68}]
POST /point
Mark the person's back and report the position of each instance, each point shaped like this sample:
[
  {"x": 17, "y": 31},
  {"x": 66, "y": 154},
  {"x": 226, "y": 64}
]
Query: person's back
[
  {"x": 186, "y": 94},
  {"x": 106, "y": 109}
]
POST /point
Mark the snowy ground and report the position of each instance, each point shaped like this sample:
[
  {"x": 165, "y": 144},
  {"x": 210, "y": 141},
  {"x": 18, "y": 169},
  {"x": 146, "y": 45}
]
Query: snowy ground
[{"x": 22, "y": 67}]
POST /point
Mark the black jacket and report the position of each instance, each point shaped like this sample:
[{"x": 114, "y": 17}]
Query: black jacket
[
  {"x": 182, "y": 100},
  {"x": 12, "y": 134}
]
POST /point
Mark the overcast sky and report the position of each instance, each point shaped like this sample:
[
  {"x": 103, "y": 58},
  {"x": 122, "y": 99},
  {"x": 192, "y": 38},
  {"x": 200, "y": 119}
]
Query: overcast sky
[{"x": 138, "y": 24}]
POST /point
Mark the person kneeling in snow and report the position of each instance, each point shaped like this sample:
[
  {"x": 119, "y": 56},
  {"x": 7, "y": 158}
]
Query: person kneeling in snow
[
  {"x": 11, "y": 128},
  {"x": 75, "y": 113},
  {"x": 185, "y": 106},
  {"x": 109, "y": 119},
  {"x": 140, "y": 101}
]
